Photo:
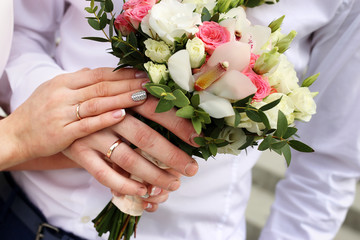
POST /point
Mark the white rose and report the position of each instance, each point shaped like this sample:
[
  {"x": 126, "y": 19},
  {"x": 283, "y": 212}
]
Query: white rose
[
  {"x": 286, "y": 105},
  {"x": 305, "y": 105},
  {"x": 157, "y": 72},
  {"x": 196, "y": 49},
  {"x": 236, "y": 138},
  {"x": 283, "y": 77},
  {"x": 169, "y": 19},
  {"x": 200, "y": 4},
  {"x": 158, "y": 51}
]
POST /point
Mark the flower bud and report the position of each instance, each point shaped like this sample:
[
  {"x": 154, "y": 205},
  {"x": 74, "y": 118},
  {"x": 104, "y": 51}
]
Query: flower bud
[
  {"x": 223, "y": 6},
  {"x": 158, "y": 73},
  {"x": 310, "y": 80},
  {"x": 284, "y": 43},
  {"x": 276, "y": 24},
  {"x": 158, "y": 51},
  {"x": 267, "y": 61},
  {"x": 196, "y": 49}
]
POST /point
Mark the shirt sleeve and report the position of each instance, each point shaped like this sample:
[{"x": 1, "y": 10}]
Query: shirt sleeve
[
  {"x": 313, "y": 199},
  {"x": 31, "y": 62}
]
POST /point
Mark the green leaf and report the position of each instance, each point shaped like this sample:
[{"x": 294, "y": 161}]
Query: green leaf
[
  {"x": 132, "y": 40},
  {"x": 97, "y": 39},
  {"x": 164, "y": 106},
  {"x": 185, "y": 112},
  {"x": 170, "y": 97},
  {"x": 205, "y": 153},
  {"x": 195, "y": 100},
  {"x": 103, "y": 21},
  {"x": 270, "y": 105},
  {"x": 289, "y": 132},
  {"x": 282, "y": 125},
  {"x": 181, "y": 99},
  {"x": 213, "y": 149},
  {"x": 244, "y": 102},
  {"x": 204, "y": 116},
  {"x": 278, "y": 145},
  {"x": 156, "y": 91},
  {"x": 300, "y": 146},
  {"x": 265, "y": 144},
  {"x": 237, "y": 118},
  {"x": 196, "y": 122},
  {"x": 89, "y": 10},
  {"x": 111, "y": 27},
  {"x": 249, "y": 142},
  {"x": 205, "y": 15},
  {"x": 253, "y": 115},
  {"x": 94, "y": 23},
  {"x": 109, "y": 6},
  {"x": 215, "y": 18},
  {"x": 287, "y": 154},
  {"x": 264, "y": 119},
  {"x": 200, "y": 141}
]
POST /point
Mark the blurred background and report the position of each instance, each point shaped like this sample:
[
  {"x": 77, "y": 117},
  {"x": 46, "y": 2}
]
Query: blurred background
[{"x": 267, "y": 172}]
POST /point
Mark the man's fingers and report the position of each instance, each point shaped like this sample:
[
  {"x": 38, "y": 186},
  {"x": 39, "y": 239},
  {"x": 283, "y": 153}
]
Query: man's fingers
[
  {"x": 181, "y": 127},
  {"x": 107, "y": 176},
  {"x": 151, "y": 142}
]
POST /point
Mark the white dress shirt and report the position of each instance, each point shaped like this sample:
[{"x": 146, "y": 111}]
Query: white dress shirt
[
  {"x": 313, "y": 199},
  {"x": 210, "y": 205}
]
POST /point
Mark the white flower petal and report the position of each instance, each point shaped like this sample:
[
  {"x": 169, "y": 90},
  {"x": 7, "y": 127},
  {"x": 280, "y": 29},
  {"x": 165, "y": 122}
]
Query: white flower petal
[
  {"x": 233, "y": 85},
  {"x": 180, "y": 70},
  {"x": 215, "y": 106}
]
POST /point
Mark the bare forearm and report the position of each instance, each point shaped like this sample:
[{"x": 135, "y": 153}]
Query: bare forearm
[{"x": 55, "y": 162}]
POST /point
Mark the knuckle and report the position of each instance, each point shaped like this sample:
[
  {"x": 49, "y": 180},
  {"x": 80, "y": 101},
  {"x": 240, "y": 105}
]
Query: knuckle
[
  {"x": 91, "y": 108},
  {"x": 97, "y": 74},
  {"x": 101, "y": 175},
  {"x": 144, "y": 137},
  {"x": 84, "y": 125},
  {"x": 173, "y": 157},
  {"x": 126, "y": 159},
  {"x": 101, "y": 89}
]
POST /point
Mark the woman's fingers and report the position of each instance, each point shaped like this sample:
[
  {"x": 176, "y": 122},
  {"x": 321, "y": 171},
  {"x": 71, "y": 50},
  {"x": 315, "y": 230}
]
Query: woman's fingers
[
  {"x": 106, "y": 88},
  {"x": 96, "y": 106},
  {"x": 86, "y": 77}
]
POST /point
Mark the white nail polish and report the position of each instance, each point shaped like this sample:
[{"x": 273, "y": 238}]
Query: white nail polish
[
  {"x": 149, "y": 205},
  {"x": 120, "y": 113},
  {"x": 145, "y": 196},
  {"x": 155, "y": 191}
]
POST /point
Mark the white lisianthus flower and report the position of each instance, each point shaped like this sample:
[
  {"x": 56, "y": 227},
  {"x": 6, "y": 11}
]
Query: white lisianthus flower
[
  {"x": 169, "y": 19},
  {"x": 196, "y": 49},
  {"x": 286, "y": 105},
  {"x": 157, "y": 72},
  {"x": 236, "y": 138},
  {"x": 158, "y": 51},
  {"x": 283, "y": 77},
  {"x": 200, "y": 4},
  {"x": 305, "y": 105}
]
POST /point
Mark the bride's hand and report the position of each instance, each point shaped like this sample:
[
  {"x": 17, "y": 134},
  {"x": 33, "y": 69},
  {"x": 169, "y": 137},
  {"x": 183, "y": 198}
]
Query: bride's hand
[{"x": 69, "y": 107}]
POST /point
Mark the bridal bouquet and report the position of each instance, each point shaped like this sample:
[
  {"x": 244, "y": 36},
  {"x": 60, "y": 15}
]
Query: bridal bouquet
[{"x": 206, "y": 59}]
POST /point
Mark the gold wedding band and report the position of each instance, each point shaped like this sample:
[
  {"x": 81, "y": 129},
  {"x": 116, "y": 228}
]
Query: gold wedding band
[
  {"x": 112, "y": 148},
  {"x": 78, "y": 111}
]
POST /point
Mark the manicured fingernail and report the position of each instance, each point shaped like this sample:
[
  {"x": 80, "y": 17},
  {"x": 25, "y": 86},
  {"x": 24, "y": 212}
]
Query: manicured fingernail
[
  {"x": 174, "y": 185},
  {"x": 139, "y": 96},
  {"x": 145, "y": 196},
  {"x": 141, "y": 74},
  {"x": 149, "y": 205},
  {"x": 142, "y": 192},
  {"x": 194, "y": 135},
  {"x": 191, "y": 168},
  {"x": 120, "y": 113},
  {"x": 143, "y": 84},
  {"x": 155, "y": 191}
]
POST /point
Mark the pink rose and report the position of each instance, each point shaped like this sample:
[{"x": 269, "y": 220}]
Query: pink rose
[
  {"x": 213, "y": 35},
  {"x": 135, "y": 15},
  {"x": 135, "y": 3},
  {"x": 123, "y": 25},
  {"x": 261, "y": 83}
]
